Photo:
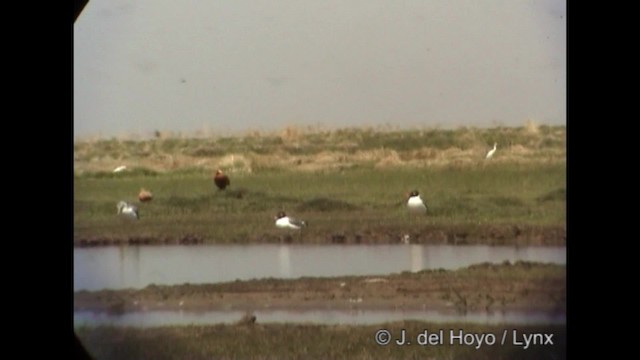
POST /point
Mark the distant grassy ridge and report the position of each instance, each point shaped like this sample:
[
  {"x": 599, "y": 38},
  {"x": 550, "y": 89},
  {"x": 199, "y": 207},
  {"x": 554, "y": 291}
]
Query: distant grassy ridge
[{"x": 320, "y": 150}]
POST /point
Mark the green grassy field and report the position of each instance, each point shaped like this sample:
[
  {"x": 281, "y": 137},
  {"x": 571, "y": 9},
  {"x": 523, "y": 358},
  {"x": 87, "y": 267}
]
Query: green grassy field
[
  {"x": 287, "y": 341},
  {"x": 348, "y": 184}
]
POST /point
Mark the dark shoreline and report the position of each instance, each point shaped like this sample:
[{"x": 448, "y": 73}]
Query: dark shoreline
[{"x": 520, "y": 235}]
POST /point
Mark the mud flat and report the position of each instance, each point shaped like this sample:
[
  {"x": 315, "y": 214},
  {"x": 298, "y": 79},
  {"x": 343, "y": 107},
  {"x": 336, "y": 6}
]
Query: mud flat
[{"x": 484, "y": 287}]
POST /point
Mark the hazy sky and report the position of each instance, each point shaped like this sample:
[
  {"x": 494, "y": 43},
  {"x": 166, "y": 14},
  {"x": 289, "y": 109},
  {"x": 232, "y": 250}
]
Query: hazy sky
[{"x": 229, "y": 66}]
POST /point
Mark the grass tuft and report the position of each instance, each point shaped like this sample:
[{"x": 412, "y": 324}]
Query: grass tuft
[{"x": 324, "y": 204}]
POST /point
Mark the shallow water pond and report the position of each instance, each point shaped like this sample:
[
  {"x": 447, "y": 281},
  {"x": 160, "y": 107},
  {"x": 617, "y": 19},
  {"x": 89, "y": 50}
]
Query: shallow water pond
[{"x": 138, "y": 266}]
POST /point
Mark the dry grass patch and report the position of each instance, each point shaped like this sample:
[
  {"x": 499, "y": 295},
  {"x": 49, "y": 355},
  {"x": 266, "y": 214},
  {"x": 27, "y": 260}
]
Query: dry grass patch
[{"x": 308, "y": 149}]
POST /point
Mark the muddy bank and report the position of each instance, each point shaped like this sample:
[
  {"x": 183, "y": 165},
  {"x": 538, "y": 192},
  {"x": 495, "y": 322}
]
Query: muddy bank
[
  {"x": 521, "y": 235},
  {"x": 484, "y": 287}
]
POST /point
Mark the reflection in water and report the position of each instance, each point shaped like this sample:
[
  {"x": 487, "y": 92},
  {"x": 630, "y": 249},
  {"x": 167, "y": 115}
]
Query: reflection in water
[
  {"x": 129, "y": 259},
  {"x": 284, "y": 260},
  {"x": 330, "y": 317},
  {"x": 416, "y": 258},
  {"x": 140, "y": 266}
]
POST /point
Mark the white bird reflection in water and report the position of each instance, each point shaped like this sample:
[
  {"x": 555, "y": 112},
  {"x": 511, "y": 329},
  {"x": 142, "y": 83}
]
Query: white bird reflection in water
[
  {"x": 284, "y": 261},
  {"x": 417, "y": 258}
]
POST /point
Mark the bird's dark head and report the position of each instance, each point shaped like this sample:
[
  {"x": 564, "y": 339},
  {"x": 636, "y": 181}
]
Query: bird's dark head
[
  {"x": 414, "y": 193},
  {"x": 280, "y": 215}
]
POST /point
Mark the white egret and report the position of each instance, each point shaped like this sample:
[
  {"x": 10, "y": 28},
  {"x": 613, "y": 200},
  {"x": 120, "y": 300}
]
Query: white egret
[{"x": 492, "y": 151}]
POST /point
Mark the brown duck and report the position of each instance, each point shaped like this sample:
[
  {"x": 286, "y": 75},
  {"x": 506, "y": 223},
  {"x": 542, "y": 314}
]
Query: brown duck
[{"x": 221, "y": 180}]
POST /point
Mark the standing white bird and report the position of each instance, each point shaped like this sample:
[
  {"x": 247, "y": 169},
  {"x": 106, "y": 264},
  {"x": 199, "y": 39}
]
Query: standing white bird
[
  {"x": 492, "y": 151},
  {"x": 128, "y": 210},
  {"x": 415, "y": 203},
  {"x": 285, "y": 222}
]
